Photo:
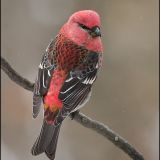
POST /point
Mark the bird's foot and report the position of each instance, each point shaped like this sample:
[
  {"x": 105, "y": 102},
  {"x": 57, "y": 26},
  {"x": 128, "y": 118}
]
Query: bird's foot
[{"x": 73, "y": 114}]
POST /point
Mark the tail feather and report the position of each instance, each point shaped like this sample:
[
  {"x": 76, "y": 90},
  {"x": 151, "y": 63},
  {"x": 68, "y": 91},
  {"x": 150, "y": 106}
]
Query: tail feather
[
  {"x": 51, "y": 149},
  {"x": 44, "y": 139}
]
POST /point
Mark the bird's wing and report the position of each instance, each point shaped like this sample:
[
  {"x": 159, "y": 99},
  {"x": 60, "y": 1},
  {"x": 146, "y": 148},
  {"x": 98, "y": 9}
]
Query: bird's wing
[
  {"x": 78, "y": 85},
  {"x": 43, "y": 79}
]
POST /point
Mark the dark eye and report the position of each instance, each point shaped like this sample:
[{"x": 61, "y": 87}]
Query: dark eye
[{"x": 84, "y": 27}]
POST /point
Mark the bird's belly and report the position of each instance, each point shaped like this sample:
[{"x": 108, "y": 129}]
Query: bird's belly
[{"x": 51, "y": 99}]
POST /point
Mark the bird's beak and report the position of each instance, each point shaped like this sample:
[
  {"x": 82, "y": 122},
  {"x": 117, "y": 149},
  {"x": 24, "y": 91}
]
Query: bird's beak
[{"x": 95, "y": 32}]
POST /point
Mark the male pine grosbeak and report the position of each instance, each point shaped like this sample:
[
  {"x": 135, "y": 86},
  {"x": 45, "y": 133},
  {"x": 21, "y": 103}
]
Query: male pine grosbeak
[{"x": 66, "y": 74}]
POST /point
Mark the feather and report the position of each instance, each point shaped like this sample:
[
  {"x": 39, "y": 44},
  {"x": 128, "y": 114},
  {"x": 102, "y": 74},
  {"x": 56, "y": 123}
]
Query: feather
[
  {"x": 42, "y": 82},
  {"x": 50, "y": 151},
  {"x": 44, "y": 139}
]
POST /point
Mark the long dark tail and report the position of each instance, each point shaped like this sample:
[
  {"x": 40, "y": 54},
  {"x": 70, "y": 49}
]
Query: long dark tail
[
  {"x": 47, "y": 141},
  {"x": 51, "y": 149}
]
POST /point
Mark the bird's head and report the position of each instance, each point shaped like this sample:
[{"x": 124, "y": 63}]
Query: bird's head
[{"x": 83, "y": 28}]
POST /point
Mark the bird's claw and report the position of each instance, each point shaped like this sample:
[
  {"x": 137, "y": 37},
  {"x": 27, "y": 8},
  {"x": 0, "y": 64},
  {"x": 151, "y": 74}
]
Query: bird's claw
[{"x": 73, "y": 114}]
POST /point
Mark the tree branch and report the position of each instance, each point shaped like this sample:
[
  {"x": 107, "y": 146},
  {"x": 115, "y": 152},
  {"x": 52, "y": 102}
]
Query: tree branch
[
  {"x": 79, "y": 117},
  {"x": 14, "y": 76}
]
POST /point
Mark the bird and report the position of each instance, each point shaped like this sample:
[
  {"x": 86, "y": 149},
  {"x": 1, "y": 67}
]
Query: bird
[{"x": 66, "y": 74}]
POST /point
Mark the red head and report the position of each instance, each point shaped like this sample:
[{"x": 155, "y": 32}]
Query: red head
[{"x": 83, "y": 28}]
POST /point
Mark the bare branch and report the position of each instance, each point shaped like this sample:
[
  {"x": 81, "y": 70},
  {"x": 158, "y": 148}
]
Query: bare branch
[
  {"x": 14, "y": 76},
  {"x": 79, "y": 117},
  {"x": 109, "y": 134}
]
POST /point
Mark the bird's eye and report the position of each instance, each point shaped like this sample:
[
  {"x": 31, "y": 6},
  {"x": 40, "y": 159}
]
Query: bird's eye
[{"x": 83, "y": 26}]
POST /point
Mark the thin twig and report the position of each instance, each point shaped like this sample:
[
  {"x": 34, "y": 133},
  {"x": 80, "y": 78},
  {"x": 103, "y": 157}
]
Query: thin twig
[{"x": 79, "y": 117}]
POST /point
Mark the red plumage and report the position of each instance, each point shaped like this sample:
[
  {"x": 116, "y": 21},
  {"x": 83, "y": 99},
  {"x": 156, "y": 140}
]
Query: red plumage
[{"x": 66, "y": 74}]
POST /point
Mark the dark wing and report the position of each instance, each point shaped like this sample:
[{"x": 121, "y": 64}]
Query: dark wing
[
  {"x": 78, "y": 85},
  {"x": 42, "y": 82}
]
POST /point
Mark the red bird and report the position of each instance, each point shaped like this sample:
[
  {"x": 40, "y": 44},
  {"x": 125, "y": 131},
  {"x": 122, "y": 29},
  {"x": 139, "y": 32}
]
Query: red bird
[{"x": 66, "y": 74}]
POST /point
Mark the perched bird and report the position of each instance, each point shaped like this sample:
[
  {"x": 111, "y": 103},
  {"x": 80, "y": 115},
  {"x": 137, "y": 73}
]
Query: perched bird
[{"x": 66, "y": 74}]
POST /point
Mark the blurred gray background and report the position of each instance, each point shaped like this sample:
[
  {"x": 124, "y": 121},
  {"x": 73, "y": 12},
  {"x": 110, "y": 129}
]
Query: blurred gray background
[{"x": 125, "y": 96}]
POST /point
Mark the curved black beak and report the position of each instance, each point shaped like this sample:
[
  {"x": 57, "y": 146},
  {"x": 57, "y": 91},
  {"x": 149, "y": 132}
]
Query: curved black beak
[{"x": 95, "y": 32}]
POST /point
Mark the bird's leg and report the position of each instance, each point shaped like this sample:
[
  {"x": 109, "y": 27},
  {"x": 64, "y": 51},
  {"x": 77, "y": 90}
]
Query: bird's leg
[{"x": 73, "y": 114}]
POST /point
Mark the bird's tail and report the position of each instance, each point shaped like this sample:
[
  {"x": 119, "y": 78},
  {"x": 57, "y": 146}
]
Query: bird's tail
[
  {"x": 46, "y": 141},
  {"x": 51, "y": 149}
]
